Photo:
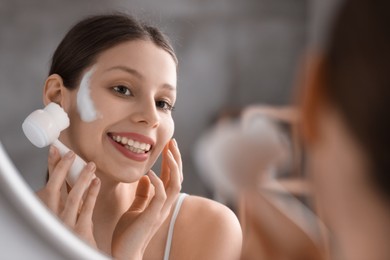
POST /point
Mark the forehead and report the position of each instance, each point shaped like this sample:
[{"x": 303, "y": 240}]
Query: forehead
[{"x": 143, "y": 56}]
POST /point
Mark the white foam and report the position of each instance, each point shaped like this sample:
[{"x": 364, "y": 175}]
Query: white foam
[{"x": 85, "y": 105}]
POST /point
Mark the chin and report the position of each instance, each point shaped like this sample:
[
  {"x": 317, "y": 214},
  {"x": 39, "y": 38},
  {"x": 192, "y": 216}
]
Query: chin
[
  {"x": 120, "y": 174},
  {"x": 129, "y": 175}
]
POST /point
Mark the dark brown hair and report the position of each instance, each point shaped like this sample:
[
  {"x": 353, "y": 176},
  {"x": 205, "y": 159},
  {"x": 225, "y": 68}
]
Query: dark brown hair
[
  {"x": 357, "y": 79},
  {"x": 88, "y": 38}
]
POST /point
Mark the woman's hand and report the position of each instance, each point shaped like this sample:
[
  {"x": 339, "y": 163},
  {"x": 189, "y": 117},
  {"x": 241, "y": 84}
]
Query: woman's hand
[
  {"x": 139, "y": 224},
  {"x": 75, "y": 207}
]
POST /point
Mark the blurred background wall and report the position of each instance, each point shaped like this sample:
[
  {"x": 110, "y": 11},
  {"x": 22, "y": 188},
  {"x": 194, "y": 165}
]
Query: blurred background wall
[{"x": 231, "y": 54}]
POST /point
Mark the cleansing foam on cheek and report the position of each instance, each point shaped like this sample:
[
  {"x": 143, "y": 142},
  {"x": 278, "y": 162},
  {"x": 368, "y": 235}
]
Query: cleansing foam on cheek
[{"x": 85, "y": 105}]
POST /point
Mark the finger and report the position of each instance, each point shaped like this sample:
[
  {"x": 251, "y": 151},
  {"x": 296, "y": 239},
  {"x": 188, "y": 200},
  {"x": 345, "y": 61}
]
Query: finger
[
  {"x": 53, "y": 159},
  {"x": 141, "y": 195},
  {"x": 174, "y": 186},
  {"x": 73, "y": 202},
  {"x": 158, "y": 200},
  {"x": 60, "y": 170},
  {"x": 176, "y": 154},
  {"x": 164, "y": 166},
  {"x": 86, "y": 212}
]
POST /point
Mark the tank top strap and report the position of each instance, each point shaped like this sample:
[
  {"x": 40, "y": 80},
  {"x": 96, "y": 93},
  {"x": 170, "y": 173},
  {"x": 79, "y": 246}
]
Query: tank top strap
[{"x": 168, "y": 244}]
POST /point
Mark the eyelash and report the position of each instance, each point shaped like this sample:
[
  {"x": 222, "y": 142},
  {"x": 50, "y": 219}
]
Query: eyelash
[
  {"x": 166, "y": 106},
  {"x": 117, "y": 89}
]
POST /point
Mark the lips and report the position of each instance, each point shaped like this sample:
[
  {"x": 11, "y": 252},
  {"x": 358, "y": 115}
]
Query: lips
[{"x": 132, "y": 145}]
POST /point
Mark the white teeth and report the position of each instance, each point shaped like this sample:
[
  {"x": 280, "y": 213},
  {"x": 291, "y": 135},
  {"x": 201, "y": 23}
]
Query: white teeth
[
  {"x": 132, "y": 145},
  {"x": 134, "y": 150},
  {"x": 124, "y": 140}
]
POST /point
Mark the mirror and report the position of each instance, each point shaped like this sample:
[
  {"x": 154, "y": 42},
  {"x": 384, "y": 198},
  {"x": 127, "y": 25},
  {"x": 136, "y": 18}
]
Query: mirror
[
  {"x": 222, "y": 62},
  {"x": 28, "y": 228}
]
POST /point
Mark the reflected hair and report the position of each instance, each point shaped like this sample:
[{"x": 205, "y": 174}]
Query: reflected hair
[
  {"x": 82, "y": 45},
  {"x": 357, "y": 79}
]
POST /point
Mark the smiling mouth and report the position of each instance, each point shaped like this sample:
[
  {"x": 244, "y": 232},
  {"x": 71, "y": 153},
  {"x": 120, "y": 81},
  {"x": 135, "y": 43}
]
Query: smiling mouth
[{"x": 131, "y": 145}]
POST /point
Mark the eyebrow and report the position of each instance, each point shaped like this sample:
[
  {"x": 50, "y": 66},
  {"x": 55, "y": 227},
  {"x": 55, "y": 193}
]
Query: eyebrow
[
  {"x": 128, "y": 70},
  {"x": 169, "y": 87},
  {"x": 138, "y": 75}
]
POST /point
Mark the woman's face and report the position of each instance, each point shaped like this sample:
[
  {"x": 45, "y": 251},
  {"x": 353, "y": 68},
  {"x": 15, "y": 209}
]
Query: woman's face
[{"x": 120, "y": 115}]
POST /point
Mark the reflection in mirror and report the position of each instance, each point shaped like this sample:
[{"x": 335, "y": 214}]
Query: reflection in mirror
[
  {"x": 28, "y": 228},
  {"x": 116, "y": 79},
  {"x": 255, "y": 163},
  {"x": 218, "y": 70}
]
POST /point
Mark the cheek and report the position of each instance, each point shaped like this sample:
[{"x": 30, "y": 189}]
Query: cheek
[
  {"x": 323, "y": 172},
  {"x": 170, "y": 128},
  {"x": 166, "y": 132},
  {"x": 81, "y": 134},
  {"x": 319, "y": 168}
]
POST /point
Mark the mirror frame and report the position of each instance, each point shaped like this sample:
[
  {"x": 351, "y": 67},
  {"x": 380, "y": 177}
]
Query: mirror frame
[{"x": 35, "y": 214}]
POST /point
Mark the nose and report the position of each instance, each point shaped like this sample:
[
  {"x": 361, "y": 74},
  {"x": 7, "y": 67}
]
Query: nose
[{"x": 146, "y": 113}]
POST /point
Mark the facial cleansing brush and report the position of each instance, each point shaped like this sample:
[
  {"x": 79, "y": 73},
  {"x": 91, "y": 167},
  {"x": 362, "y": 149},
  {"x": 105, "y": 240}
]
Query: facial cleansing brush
[{"x": 43, "y": 126}]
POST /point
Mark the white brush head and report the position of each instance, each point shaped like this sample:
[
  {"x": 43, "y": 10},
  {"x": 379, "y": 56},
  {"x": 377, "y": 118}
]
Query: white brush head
[{"x": 43, "y": 127}]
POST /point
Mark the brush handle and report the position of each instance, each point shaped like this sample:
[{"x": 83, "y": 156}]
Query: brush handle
[{"x": 77, "y": 166}]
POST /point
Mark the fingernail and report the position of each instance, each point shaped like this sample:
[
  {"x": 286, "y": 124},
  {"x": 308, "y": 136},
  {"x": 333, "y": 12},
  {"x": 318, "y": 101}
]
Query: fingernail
[
  {"x": 174, "y": 141},
  {"x": 170, "y": 153},
  {"x": 52, "y": 150},
  {"x": 96, "y": 181},
  {"x": 151, "y": 173},
  {"x": 69, "y": 155},
  {"x": 91, "y": 166}
]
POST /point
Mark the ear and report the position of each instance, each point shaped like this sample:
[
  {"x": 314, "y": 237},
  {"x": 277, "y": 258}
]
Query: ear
[
  {"x": 54, "y": 90},
  {"x": 312, "y": 96}
]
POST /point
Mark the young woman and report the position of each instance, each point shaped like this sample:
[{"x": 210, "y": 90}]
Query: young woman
[
  {"x": 346, "y": 127},
  {"x": 116, "y": 79}
]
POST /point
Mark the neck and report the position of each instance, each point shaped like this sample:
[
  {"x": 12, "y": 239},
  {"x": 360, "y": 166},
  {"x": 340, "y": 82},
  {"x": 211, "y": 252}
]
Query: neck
[{"x": 113, "y": 200}]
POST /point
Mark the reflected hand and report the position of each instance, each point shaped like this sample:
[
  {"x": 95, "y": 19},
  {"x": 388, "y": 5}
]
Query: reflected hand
[
  {"x": 139, "y": 224},
  {"x": 75, "y": 207}
]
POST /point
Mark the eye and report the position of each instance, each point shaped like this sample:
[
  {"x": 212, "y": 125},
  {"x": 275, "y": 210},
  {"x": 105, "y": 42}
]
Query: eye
[
  {"x": 164, "y": 105},
  {"x": 122, "y": 90}
]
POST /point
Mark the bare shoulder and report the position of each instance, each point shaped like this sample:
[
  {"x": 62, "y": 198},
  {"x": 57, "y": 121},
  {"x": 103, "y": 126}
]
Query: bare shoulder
[
  {"x": 207, "y": 211},
  {"x": 206, "y": 229}
]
